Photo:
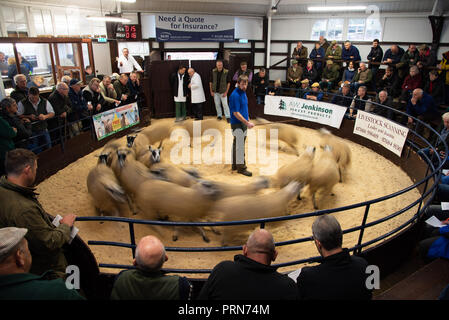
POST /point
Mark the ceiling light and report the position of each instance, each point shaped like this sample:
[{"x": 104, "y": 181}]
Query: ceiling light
[
  {"x": 339, "y": 8},
  {"x": 108, "y": 19},
  {"x": 128, "y": 1}
]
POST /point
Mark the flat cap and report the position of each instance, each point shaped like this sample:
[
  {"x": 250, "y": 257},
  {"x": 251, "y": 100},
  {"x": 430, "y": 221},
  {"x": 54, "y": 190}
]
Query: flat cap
[
  {"x": 305, "y": 81},
  {"x": 9, "y": 238},
  {"x": 74, "y": 82},
  {"x": 294, "y": 61},
  {"x": 316, "y": 84}
]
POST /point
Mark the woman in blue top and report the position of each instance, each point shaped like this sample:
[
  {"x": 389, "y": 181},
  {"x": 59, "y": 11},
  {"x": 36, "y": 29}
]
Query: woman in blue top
[{"x": 349, "y": 73}]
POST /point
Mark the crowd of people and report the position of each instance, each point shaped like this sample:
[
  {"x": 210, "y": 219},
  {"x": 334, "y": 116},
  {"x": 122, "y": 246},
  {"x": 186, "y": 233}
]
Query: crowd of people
[{"x": 28, "y": 120}]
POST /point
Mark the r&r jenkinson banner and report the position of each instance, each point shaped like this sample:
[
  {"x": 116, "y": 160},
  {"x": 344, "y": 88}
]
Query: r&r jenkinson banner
[
  {"x": 196, "y": 28},
  {"x": 309, "y": 110},
  {"x": 387, "y": 133}
]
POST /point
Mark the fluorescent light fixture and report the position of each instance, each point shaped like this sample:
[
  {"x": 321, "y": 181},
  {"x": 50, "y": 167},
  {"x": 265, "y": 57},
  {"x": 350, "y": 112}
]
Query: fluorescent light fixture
[
  {"x": 128, "y": 1},
  {"x": 337, "y": 8},
  {"x": 108, "y": 19}
]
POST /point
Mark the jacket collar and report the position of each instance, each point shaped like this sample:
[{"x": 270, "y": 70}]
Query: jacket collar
[
  {"x": 343, "y": 255},
  {"x": 18, "y": 278},
  {"x": 26, "y": 191},
  {"x": 250, "y": 264}
]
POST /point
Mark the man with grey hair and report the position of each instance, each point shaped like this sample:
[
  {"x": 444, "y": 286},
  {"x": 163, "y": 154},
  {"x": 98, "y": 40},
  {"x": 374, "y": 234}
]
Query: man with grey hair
[
  {"x": 147, "y": 281},
  {"x": 421, "y": 106},
  {"x": 250, "y": 276},
  {"x": 384, "y": 99},
  {"x": 339, "y": 276},
  {"x": 363, "y": 77},
  {"x": 16, "y": 283},
  {"x": 20, "y": 92}
]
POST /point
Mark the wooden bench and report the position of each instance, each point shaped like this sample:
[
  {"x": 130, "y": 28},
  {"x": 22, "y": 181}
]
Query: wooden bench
[{"x": 425, "y": 284}]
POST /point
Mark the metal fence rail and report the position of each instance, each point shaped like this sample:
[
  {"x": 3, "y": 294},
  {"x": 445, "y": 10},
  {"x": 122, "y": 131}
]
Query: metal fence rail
[{"x": 429, "y": 188}]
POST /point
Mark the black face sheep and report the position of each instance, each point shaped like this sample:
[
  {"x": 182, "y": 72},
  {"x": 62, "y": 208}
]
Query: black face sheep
[
  {"x": 182, "y": 177},
  {"x": 298, "y": 170},
  {"x": 248, "y": 207},
  {"x": 324, "y": 174},
  {"x": 161, "y": 198},
  {"x": 340, "y": 150},
  {"x": 107, "y": 194}
]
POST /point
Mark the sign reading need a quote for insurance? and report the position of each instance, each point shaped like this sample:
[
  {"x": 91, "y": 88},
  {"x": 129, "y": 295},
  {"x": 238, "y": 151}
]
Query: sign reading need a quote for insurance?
[
  {"x": 387, "y": 133},
  {"x": 309, "y": 110},
  {"x": 197, "y": 28}
]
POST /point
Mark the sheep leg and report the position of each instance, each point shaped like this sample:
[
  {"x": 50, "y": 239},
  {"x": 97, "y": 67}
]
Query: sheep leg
[
  {"x": 175, "y": 233},
  {"x": 131, "y": 205},
  {"x": 214, "y": 230},
  {"x": 339, "y": 172},
  {"x": 203, "y": 234},
  {"x": 314, "y": 202}
]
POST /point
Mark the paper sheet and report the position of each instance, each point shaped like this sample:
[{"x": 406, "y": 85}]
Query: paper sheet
[
  {"x": 444, "y": 205},
  {"x": 74, "y": 229},
  {"x": 434, "y": 222},
  {"x": 445, "y": 171},
  {"x": 294, "y": 274}
]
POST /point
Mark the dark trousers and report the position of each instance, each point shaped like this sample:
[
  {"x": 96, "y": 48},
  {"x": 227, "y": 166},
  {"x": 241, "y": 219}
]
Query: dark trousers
[
  {"x": 197, "y": 111},
  {"x": 238, "y": 146}
]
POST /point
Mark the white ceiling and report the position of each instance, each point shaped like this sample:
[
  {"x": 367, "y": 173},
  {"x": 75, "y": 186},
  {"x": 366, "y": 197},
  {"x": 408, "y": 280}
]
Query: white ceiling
[{"x": 239, "y": 7}]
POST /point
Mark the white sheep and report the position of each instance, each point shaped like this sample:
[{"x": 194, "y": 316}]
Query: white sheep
[
  {"x": 156, "y": 132},
  {"x": 286, "y": 132},
  {"x": 324, "y": 174},
  {"x": 182, "y": 177},
  {"x": 205, "y": 125},
  {"x": 248, "y": 207},
  {"x": 231, "y": 190},
  {"x": 340, "y": 150},
  {"x": 160, "y": 198},
  {"x": 298, "y": 170},
  {"x": 107, "y": 194}
]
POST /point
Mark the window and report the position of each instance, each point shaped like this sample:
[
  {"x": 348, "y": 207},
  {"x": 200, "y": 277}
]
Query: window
[
  {"x": 191, "y": 56},
  {"x": 15, "y": 21},
  {"x": 6, "y": 52},
  {"x": 373, "y": 29},
  {"x": 136, "y": 48},
  {"x": 318, "y": 29},
  {"x": 42, "y": 22},
  {"x": 335, "y": 29},
  {"x": 36, "y": 61},
  {"x": 356, "y": 29}
]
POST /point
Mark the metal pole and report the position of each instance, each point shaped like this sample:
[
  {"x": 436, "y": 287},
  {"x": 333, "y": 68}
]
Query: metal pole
[
  {"x": 133, "y": 239},
  {"x": 365, "y": 217}
]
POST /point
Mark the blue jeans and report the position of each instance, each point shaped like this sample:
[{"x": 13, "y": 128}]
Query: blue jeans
[
  {"x": 260, "y": 99},
  {"x": 40, "y": 141}
]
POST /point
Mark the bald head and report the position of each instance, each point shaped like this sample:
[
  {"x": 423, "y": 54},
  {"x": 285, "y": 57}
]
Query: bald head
[
  {"x": 260, "y": 247},
  {"x": 150, "y": 254}
]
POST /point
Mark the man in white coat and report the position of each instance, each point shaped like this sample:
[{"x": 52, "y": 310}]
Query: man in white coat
[
  {"x": 127, "y": 63},
  {"x": 197, "y": 94}
]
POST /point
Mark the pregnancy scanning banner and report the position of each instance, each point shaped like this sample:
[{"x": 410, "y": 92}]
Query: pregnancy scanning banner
[
  {"x": 109, "y": 122},
  {"x": 309, "y": 110},
  {"x": 196, "y": 28},
  {"x": 387, "y": 133}
]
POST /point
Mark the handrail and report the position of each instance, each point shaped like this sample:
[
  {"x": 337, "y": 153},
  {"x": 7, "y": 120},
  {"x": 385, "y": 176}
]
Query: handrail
[{"x": 422, "y": 202}]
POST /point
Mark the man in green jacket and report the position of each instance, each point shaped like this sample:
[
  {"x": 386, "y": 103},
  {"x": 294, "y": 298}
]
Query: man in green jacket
[
  {"x": 330, "y": 76},
  {"x": 7, "y": 134},
  {"x": 16, "y": 283},
  {"x": 121, "y": 88},
  {"x": 147, "y": 282},
  {"x": 20, "y": 208},
  {"x": 363, "y": 77}
]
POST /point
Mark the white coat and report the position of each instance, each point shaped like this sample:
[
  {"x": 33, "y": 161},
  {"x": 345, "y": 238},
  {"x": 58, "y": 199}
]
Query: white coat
[{"x": 196, "y": 88}]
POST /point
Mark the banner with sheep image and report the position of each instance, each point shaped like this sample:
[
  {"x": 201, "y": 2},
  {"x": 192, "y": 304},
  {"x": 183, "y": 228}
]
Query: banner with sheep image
[
  {"x": 112, "y": 121},
  {"x": 387, "y": 133},
  {"x": 315, "y": 111}
]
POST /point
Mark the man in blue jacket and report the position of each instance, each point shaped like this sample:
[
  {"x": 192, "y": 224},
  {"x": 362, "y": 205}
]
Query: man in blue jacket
[
  {"x": 238, "y": 106},
  {"x": 350, "y": 52}
]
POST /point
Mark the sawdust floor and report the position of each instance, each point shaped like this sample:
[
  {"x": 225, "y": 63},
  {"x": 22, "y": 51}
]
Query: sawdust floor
[{"x": 370, "y": 176}]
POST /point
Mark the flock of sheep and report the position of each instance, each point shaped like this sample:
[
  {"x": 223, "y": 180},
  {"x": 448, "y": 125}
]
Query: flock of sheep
[{"x": 136, "y": 176}]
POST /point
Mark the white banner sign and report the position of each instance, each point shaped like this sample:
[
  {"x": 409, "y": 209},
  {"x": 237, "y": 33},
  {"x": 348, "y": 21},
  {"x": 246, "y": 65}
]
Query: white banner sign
[
  {"x": 387, "y": 133},
  {"x": 315, "y": 111}
]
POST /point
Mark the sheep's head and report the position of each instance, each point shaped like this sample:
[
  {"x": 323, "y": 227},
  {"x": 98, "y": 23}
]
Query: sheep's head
[
  {"x": 208, "y": 189},
  {"x": 130, "y": 140},
  {"x": 155, "y": 154},
  {"x": 327, "y": 148},
  {"x": 122, "y": 154},
  {"x": 310, "y": 151}
]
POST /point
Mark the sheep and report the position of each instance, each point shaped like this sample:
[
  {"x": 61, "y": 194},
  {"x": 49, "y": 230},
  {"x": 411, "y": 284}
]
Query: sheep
[
  {"x": 324, "y": 174},
  {"x": 141, "y": 142},
  {"x": 149, "y": 156},
  {"x": 106, "y": 192},
  {"x": 130, "y": 172},
  {"x": 108, "y": 150},
  {"x": 231, "y": 190},
  {"x": 252, "y": 207},
  {"x": 179, "y": 203},
  {"x": 298, "y": 170},
  {"x": 205, "y": 125},
  {"x": 156, "y": 132},
  {"x": 182, "y": 177},
  {"x": 286, "y": 132},
  {"x": 340, "y": 150}
]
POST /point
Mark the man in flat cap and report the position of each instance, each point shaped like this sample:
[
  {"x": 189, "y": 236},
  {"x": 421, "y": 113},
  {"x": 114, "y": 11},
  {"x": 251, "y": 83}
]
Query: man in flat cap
[
  {"x": 16, "y": 283},
  {"x": 20, "y": 208}
]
